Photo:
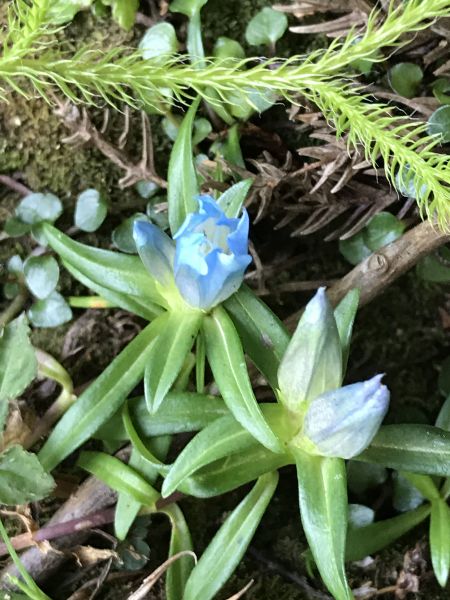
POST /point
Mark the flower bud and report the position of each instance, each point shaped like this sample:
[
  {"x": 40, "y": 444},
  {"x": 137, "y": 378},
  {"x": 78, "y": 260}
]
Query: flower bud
[
  {"x": 343, "y": 422},
  {"x": 312, "y": 363}
]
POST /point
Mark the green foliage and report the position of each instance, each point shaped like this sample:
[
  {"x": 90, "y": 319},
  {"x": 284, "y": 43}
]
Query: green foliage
[
  {"x": 18, "y": 365},
  {"x": 90, "y": 211},
  {"x": 117, "y": 77},
  {"x": 381, "y": 230},
  {"x": 439, "y": 124},
  {"x": 405, "y": 79},
  {"x": 267, "y": 27},
  {"x": 41, "y": 275},
  {"x": 22, "y": 478}
]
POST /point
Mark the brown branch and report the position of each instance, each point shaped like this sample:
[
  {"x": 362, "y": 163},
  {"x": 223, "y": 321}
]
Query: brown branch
[
  {"x": 15, "y": 185},
  {"x": 384, "y": 266}
]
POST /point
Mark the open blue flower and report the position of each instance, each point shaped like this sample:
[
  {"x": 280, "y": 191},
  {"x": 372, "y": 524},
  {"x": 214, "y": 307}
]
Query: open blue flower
[{"x": 209, "y": 258}]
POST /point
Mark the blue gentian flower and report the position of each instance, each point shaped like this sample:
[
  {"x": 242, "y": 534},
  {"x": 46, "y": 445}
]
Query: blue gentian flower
[
  {"x": 343, "y": 422},
  {"x": 208, "y": 259}
]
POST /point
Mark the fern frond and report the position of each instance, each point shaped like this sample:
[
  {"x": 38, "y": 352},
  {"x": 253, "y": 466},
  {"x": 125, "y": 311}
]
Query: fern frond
[
  {"x": 28, "y": 29},
  {"x": 381, "y": 31},
  {"x": 408, "y": 156}
]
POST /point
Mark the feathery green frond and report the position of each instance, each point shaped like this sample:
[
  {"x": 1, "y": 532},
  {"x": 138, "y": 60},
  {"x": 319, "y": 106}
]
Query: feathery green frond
[
  {"x": 121, "y": 75},
  {"x": 381, "y": 31},
  {"x": 408, "y": 155}
]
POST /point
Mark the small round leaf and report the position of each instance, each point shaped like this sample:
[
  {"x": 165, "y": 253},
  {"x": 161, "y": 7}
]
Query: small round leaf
[
  {"x": 405, "y": 79},
  {"x": 266, "y": 27},
  {"x": 441, "y": 87},
  {"x": 146, "y": 189},
  {"x": 354, "y": 249},
  {"x": 41, "y": 275},
  {"x": 36, "y": 208},
  {"x": 122, "y": 236},
  {"x": 159, "y": 42},
  {"x": 14, "y": 227},
  {"x": 187, "y": 7},
  {"x": 383, "y": 229},
  {"x": 439, "y": 123},
  {"x": 51, "y": 312},
  {"x": 225, "y": 47},
  {"x": 90, "y": 211}
]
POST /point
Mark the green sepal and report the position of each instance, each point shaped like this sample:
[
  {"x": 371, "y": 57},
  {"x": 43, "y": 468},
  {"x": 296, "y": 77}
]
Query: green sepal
[
  {"x": 324, "y": 512},
  {"x": 226, "y": 549},
  {"x": 119, "y": 476},
  {"x": 102, "y": 398},
  {"x": 168, "y": 354},
  {"x": 227, "y": 361}
]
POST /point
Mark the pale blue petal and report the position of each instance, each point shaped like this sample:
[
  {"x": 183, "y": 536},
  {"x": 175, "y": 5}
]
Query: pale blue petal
[
  {"x": 343, "y": 422},
  {"x": 156, "y": 249}
]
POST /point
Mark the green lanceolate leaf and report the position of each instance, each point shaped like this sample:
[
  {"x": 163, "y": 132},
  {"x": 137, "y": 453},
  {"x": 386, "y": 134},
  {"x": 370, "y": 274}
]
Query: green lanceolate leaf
[
  {"x": 344, "y": 314},
  {"x": 226, "y": 549},
  {"x": 180, "y": 541},
  {"x": 22, "y": 478},
  {"x": 135, "y": 304},
  {"x": 424, "y": 484},
  {"x": 417, "y": 448},
  {"x": 323, "y": 510},
  {"x": 139, "y": 446},
  {"x": 233, "y": 471},
  {"x": 168, "y": 355},
  {"x": 127, "y": 508},
  {"x": 226, "y": 357},
  {"x": 112, "y": 270},
  {"x": 225, "y": 437},
  {"x": 221, "y": 438},
  {"x": 263, "y": 335},
  {"x": 183, "y": 186},
  {"x": 18, "y": 365},
  {"x": 370, "y": 539},
  {"x": 118, "y": 476},
  {"x": 102, "y": 398},
  {"x": 440, "y": 540},
  {"x": 181, "y": 412},
  {"x": 232, "y": 200}
]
